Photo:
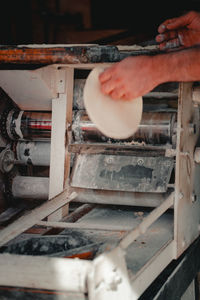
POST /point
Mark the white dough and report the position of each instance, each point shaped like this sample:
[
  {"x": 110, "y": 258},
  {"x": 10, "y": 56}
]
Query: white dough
[{"x": 116, "y": 119}]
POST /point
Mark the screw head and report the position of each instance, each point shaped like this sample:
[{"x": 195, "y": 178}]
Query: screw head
[
  {"x": 193, "y": 198},
  {"x": 140, "y": 162}
]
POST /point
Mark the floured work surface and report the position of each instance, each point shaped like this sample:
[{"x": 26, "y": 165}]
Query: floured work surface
[{"x": 77, "y": 242}]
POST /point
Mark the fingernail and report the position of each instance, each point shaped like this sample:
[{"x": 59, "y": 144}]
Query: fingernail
[
  {"x": 161, "y": 28},
  {"x": 161, "y": 37}
]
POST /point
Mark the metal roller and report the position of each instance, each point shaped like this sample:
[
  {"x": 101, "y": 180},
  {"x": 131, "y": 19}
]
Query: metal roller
[
  {"x": 78, "y": 94},
  {"x": 35, "y": 153},
  {"x": 166, "y": 91},
  {"x": 155, "y": 128},
  {"x": 26, "y": 187},
  {"x": 28, "y": 125}
]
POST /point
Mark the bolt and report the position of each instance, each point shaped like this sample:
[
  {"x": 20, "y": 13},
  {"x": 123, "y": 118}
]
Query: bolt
[
  {"x": 180, "y": 196},
  {"x": 109, "y": 160},
  {"x": 185, "y": 153},
  {"x": 193, "y": 198},
  {"x": 140, "y": 162}
]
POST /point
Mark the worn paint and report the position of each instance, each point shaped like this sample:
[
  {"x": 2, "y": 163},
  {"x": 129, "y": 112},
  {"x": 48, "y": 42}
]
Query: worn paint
[{"x": 52, "y": 55}]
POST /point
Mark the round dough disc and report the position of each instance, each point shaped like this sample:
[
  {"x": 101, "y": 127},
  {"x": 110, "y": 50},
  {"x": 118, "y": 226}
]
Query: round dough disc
[{"x": 117, "y": 119}]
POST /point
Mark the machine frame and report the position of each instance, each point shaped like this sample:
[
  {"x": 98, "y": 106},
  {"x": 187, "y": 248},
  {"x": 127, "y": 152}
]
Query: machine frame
[{"x": 107, "y": 276}]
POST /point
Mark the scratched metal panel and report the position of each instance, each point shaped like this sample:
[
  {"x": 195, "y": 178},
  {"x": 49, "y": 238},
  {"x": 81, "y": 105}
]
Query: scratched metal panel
[{"x": 122, "y": 173}]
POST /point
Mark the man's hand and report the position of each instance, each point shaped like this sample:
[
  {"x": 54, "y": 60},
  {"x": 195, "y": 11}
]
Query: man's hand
[
  {"x": 181, "y": 32},
  {"x": 130, "y": 78}
]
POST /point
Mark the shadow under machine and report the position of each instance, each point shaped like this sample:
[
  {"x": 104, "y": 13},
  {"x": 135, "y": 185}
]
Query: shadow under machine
[{"x": 129, "y": 207}]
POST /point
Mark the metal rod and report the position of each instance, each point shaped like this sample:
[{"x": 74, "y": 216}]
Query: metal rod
[
  {"x": 81, "y": 226},
  {"x": 144, "y": 225},
  {"x": 67, "y": 54},
  {"x": 64, "y": 54}
]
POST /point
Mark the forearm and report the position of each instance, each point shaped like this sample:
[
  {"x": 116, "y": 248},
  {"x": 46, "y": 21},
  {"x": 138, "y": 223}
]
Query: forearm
[
  {"x": 178, "y": 66},
  {"x": 136, "y": 76}
]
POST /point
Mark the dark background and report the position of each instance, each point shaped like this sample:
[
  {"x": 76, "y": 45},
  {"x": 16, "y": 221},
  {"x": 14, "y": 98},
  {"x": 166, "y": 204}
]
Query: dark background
[{"x": 82, "y": 21}]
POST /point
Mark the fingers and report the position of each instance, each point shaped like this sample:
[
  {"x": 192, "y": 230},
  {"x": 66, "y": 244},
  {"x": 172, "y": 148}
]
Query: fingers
[
  {"x": 117, "y": 94},
  {"x": 128, "y": 96},
  {"x": 163, "y": 27},
  {"x": 110, "y": 84},
  {"x": 174, "y": 43},
  {"x": 112, "y": 89},
  {"x": 107, "y": 87},
  {"x": 169, "y": 35},
  {"x": 168, "y": 40},
  {"x": 121, "y": 94},
  {"x": 176, "y": 23},
  {"x": 179, "y": 22},
  {"x": 106, "y": 75}
]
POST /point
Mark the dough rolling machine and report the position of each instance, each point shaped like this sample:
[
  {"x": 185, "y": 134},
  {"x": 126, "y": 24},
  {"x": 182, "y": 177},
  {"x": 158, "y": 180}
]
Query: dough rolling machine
[
  {"x": 48, "y": 144},
  {"x": 115, "y": 168}
]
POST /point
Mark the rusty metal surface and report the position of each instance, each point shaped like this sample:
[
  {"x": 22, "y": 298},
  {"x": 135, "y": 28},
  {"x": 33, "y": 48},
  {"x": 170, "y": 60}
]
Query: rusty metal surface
[{"x": 64, "y": 54}]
